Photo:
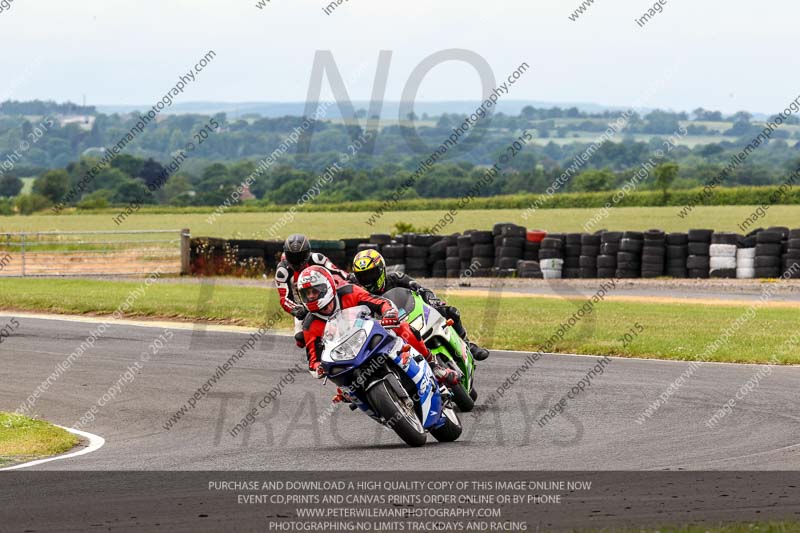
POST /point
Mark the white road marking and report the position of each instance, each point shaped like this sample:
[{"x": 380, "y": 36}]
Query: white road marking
[{"x": 95, "y": 443}]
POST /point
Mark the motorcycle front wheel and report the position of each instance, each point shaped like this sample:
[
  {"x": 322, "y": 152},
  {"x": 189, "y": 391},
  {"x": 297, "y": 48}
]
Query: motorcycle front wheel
[{"x": 399, "y": 413}]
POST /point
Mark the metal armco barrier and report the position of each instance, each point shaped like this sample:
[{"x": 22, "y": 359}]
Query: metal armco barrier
[{"x": 94, "y": 253}]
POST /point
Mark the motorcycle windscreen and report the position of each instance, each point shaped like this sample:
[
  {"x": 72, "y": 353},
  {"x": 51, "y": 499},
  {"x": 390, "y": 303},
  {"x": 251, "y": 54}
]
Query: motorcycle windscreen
[{"x": 403, "y": 299}]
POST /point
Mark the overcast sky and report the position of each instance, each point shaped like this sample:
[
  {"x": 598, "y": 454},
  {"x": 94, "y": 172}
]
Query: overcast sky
[{"x": 727, "y": 55}]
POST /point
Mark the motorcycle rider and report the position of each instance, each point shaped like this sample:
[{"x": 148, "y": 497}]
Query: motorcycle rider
[
  {"x": 296, "y": 257},
  {"x": 321, "y": 296},
  {"x": 369, "y": 271}
]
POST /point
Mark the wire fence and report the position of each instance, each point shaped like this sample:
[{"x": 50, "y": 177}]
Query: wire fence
[{"x": 88, "y": 253}]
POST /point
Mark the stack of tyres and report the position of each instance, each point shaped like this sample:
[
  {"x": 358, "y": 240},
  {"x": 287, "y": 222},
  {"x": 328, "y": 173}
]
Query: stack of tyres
[
  {"x": 746, "y": 257},
  {"x": 590, "y": 249},
  {"x": 572, "y": 256},
  {"x": 368, "y": 246},
  {"x": 698, "y": 263},
  {"x": 769, "y": 249},
  {"x": 464, "y": 243},
  {"x": 350, "y": 250},
  {"x": 551, "y": 256},
  {"x": 785, "y": 236},
  {"x": 380, "y": 238},
  {"x": 722, "y": 255},
  {"x": 654, "y": 251},
  {"x": 417, "y": 251},
  {"x": 497, "y": 239},
  {"x": 629, "y": 257},
  {"x": 607, "y": 260},
  {"x": 482, "y": 253},
  {"x": 676, "y": 254},
  {"x": 791, "y": 257},
  {"x": 437, "y": 257},
  {"x": 511, "y": 240},
  {"x": 783, "y": 230},
  {"x": 394, "y": 254},
  {"x": 533, "y": 243},
  {"x": 248, "y": 251},
  {"x": 334, "y": 250},
  {"x": 529, "y": 269},
  {"x": 376, "y": 242},
  {"x": 452, "y": 261}
]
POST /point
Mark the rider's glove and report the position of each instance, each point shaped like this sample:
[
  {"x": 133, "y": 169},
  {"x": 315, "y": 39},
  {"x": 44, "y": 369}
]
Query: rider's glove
[
  {"x": 390, "y": 319},
  {"x": 436, "y": 302},
  {"x": 299, "y": 312}
]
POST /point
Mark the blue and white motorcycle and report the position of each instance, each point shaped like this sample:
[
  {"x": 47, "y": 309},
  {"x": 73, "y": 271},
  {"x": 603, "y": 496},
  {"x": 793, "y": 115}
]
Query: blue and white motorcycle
[{"x": 386, "y": 378}]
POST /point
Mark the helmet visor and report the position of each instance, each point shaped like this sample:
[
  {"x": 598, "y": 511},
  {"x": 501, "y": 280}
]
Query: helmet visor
[
  {"x": 372, "y": 279},
  {"x": 313, "y": 293},
  {"x": 298, "y": 258}
]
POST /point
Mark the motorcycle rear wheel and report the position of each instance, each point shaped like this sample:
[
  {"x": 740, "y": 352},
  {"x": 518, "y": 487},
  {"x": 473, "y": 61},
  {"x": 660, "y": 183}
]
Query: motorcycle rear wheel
[
  {"x": 462, "y": 399},
  {"x": 451, "y": 429}
]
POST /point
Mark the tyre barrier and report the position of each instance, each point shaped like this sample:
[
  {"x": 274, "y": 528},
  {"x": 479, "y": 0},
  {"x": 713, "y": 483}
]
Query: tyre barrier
[
  {"x": 722, "y": 255},
  {"x": 698, "y": 262},
  {"x": 745, "y": 263},
  {"x": 629, "y": 257},
  {"x": 654, "y": 253},
  {"x": 791, "y": 257},
  {"x": 509, "y": 250},
  {"x": 676, "y": 254}
]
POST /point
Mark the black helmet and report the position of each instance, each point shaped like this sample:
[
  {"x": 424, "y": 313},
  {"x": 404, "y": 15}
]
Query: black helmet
[{"x": 297, "y": 250}]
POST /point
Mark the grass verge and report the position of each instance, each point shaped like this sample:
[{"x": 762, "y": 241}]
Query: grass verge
[
  {"x": 656, "y": 330},
  {"x": 24, "y": 439}
]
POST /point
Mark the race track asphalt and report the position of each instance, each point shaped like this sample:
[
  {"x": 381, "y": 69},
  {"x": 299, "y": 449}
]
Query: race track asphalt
[
  {"x": 597, "y": 431},
  {"x": 149, "y": 478}
]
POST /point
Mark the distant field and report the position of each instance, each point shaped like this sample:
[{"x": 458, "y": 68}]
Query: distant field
[
  {"x": 27, "y": 185},
  {"x": 327, "y": 225},
  {"x": 587, "y": 137}
]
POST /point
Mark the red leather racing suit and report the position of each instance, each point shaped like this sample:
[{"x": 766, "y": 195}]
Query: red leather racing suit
[
  {"x": 286, "y": 279},
  {"x": 351, "y": 296}
]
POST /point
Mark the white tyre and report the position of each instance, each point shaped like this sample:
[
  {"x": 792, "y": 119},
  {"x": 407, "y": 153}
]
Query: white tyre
[
  {"x": 745, "y": 253},
  {"x": 722, "y": 250},
  {"x": 551, "y": 264},
  {"x": 548, "y": 273},
  {"x": 718, "y": 263},
  {"x": 745, "y": 273}
]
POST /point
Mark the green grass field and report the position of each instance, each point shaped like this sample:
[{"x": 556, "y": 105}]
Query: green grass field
[
  {"x": 667, "y": 331},
  {"x": 24, "y": 439},
  {"x": 328, "y": 225}
]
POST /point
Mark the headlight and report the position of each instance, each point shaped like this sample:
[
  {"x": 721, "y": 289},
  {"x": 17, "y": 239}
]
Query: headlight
[
  {"x": 418, "y": 323},
  {"x": 349, "y": 349}
]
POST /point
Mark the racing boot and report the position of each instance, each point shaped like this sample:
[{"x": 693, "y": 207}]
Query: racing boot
[
  {"x": 478, "y": 353},
  {"x": 444, "y": 375}
]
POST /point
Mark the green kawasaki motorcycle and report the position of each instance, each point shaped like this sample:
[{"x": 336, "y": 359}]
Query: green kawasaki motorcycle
[{"x": 441, "y": 339}]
